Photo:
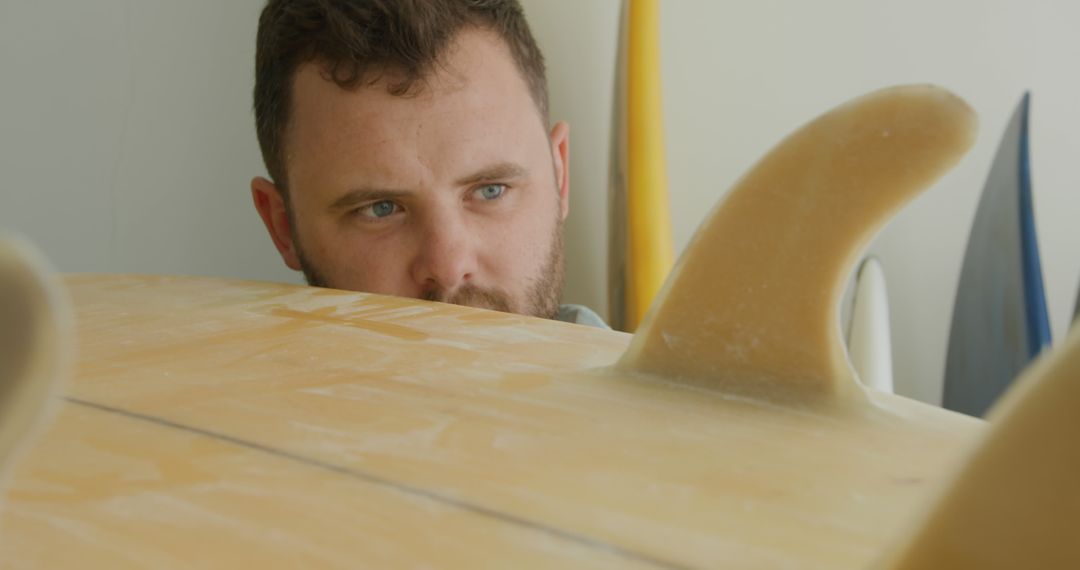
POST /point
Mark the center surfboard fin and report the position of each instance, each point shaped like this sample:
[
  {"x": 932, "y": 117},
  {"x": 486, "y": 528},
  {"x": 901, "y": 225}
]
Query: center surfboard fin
[{"x": 751, "y": 308}]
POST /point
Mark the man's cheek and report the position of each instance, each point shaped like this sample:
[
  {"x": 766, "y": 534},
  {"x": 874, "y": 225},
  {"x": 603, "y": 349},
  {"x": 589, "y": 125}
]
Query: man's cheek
[{"x": 383, "y": 268}]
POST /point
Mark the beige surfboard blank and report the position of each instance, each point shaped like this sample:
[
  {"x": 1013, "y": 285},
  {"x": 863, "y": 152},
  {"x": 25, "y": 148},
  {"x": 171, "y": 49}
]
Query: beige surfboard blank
[
  {"x": 752, "y": 306},
  {"x": 223, "y": 423},
  {"x": 34, "y": 324},
  {"x": 1016, "y": 502}
]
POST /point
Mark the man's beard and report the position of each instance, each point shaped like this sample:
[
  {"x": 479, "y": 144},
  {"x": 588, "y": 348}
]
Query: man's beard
[{"x": 543, "y": 298}]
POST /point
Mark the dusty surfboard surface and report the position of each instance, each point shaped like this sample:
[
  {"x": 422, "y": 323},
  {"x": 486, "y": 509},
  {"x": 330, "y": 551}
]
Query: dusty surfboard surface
[{"x": 227, "y": 422}]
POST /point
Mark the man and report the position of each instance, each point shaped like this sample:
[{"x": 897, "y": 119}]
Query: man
[{"x": 410, "y": 152}]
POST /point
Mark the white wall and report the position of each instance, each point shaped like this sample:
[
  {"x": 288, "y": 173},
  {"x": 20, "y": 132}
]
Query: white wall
[
  {"x": 127, "y": 141},
  {"x": 738, "y": 76},
  {"x": 127, "y": 138}
]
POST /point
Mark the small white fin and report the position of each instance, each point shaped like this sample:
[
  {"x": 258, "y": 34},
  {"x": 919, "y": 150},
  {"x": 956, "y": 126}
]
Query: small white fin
[{"x": 870, "y": 341}]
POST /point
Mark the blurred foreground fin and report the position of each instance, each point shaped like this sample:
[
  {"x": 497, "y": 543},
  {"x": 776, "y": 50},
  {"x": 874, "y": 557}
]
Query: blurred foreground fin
[{"x": 1016, "y": 502}]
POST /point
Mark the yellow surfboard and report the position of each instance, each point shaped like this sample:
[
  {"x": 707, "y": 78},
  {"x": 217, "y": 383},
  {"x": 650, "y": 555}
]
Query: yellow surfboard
[
  {"x": 640, "y": 250},
  {"x": 220, "y": 423}
]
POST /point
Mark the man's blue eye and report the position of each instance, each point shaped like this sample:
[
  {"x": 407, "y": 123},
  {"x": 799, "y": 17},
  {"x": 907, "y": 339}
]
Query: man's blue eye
[
  {"x": 491, "y": 191},
  {"x": 379, "y": 209}
]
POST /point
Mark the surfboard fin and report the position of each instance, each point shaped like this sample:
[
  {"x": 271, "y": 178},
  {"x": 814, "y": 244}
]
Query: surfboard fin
[
  {"x": 869, "y": 342},
  {"x": 1016, "y": 502},
  {"x": 751, "y": 307},
  {"x": 35, "y": 326}
]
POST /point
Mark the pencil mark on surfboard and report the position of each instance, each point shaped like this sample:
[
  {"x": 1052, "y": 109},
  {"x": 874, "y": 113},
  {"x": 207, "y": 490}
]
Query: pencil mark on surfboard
[{"x": 373, "y": 479}]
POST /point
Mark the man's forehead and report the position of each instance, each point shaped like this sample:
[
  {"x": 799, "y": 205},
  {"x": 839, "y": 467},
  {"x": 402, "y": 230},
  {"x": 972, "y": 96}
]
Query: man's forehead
[
  {"x": 375, "y": 127},
  {"x": 474, "y": 105},
  {"x": 477, "y": 73}
]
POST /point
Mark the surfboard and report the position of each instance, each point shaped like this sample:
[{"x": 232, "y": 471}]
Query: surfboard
[
  {"x": 999, "y": 321},
  {"x": 1076, "y": 308},
  {"x": 869, "y": 339},
  {"x": 640, "y": 250},
  {"x": 221, "y": 423}
]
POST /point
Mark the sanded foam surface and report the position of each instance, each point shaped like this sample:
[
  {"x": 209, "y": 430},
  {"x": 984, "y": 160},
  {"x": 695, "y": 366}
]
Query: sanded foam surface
[{"x": 222, "y": 422}]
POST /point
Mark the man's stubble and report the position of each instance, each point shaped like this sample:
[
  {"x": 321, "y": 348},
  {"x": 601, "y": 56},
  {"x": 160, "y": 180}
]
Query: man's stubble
[{"x": 545, "y": 289}]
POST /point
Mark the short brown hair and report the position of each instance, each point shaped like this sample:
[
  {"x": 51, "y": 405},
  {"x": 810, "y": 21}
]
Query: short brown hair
[{"x": 358, "y": 40}]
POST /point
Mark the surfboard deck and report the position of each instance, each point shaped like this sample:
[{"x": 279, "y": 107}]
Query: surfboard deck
[{"x": 228, "y": 422}]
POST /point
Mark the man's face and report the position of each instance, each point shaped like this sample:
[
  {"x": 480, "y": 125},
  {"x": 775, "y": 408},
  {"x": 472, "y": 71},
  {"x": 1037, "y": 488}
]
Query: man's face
[{"x": 455, "y": 193}]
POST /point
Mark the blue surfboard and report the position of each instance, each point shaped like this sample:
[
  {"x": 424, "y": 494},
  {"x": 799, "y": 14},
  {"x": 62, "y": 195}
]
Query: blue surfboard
[
  {"x": 999, "y": 320},
  {"x": 1076, "y": 310}
]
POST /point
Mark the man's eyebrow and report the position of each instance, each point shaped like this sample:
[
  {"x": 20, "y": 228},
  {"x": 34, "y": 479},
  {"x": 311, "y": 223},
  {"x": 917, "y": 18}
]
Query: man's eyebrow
[
  {"x": 353, "y": 198},
  {"x": 495, "y": 172}
]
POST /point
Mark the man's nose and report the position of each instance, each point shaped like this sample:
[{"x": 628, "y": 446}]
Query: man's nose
[{"x": 446, "y": 257}]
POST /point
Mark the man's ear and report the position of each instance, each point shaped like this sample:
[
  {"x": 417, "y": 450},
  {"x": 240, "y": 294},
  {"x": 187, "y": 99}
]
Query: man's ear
[
  {"x": 271, "y": 206},
  {"x": 560, "y": 154}
]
